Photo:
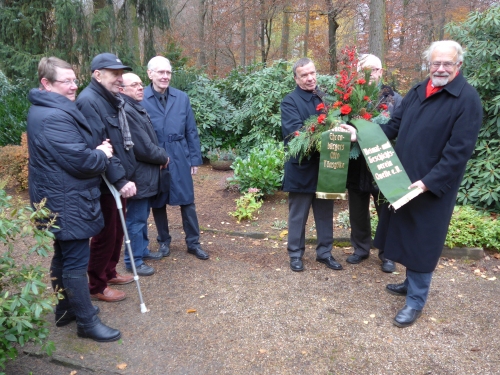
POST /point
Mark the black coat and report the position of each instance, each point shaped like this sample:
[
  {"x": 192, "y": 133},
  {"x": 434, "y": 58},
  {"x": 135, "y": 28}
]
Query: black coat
[
  {"x": 297, "y": 107},
  {"x": 64, "y": 165},
  {"x": 148, "y": 154},
  {"x": 435, "y": 138},
  {"x": 100, "y": 108}
]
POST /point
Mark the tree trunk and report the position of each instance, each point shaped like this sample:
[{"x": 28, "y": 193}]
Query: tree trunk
[
  {"x": 306, "y": 32},
  {"x": 377, "y": 22},
  {"x": 243, "y": 47},
  {"x": 202, "y": 56},
  {"x": 285, "y": 33},
  {"x": 333, "y": 25}
]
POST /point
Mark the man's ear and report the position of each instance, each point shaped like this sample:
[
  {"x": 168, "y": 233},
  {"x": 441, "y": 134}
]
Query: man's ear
[
  {"x": 97, "y": 75},
  {"x": 46, "y": 84}
]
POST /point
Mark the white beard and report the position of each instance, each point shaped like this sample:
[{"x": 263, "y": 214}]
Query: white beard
[{"x": 439, "y": 81}]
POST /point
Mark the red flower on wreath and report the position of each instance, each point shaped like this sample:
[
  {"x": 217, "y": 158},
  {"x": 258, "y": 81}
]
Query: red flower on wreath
[
  {"x": 337, "y": 104},
  {"x": 345, "y": 109},
  {"x": 366, "y": 98},
  {"x": 367, "y": 116},
  {"x": 321, "y": 118},
  {"x": 296, "y": 133},
  {"x": 383, "y": 106},
  {"x": 313, "y": 128},
  {"x": 320, "y": 106},
  {"x": 361, "y": 81}
]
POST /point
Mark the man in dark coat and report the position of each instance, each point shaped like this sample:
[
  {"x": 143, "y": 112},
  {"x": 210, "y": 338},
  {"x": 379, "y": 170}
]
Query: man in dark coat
[
  {"x": 360, "y": 184},
  {"x": 103, "y": 107},
  {"x": 175, "y": 126},
  {"x": 436, "y": 127},
  {"x": 301, "y": 178},
  {"x": 150, "y": 158},
  {"x": 66, "y": 160}
]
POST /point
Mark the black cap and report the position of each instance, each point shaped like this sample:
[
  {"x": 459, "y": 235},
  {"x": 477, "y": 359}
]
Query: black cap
[{"x": 107, "y": 61}]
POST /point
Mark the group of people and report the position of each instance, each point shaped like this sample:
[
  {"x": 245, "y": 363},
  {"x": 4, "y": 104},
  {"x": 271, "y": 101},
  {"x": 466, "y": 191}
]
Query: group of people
[
  {"x": 435, "y": 126},
  {"x": 138, "y": 139},
  {"x": 144, "y": 140}
]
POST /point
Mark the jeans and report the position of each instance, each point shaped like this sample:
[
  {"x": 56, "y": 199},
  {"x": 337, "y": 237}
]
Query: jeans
[{"x": 137, "y": 227}]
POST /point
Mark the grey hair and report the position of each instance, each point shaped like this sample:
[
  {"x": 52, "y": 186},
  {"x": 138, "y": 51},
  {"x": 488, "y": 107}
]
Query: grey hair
[
  {"x": 155, "y": 60},
  {"x": 444, "y": 43},
  {"x": 300, "y": 63}
]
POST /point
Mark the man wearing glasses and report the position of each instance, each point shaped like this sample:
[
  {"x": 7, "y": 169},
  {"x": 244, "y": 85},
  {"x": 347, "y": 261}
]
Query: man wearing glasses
[
  {"x": 150, "y": 158},
  {"x": 436, "y": 128},
  {"x": 175, "y": 126}
]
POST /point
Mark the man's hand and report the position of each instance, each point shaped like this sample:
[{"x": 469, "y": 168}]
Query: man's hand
[
  {"x": 106, "y": 147},
  {"x": 165, "y": 165},
  {"x": 352, "y": 130},
  {"x": 129, "y": 190},
  {"x": 419, "y": 184},
  {"x": 194, "y": 170}
]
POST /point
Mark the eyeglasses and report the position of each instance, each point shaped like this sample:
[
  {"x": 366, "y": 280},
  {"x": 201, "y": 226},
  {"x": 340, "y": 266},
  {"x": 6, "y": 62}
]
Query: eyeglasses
[
  {"x": 69, "y": 82},
  {"x": 135, "y": 85},
  {"x": 163, "y": 72},
  {"x": 445, "y": 64}
]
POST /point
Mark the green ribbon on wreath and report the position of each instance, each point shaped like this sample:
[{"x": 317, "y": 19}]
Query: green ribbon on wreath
[
  {"x": 334, "y": 160},
  {"x": 384, "y": 164}
]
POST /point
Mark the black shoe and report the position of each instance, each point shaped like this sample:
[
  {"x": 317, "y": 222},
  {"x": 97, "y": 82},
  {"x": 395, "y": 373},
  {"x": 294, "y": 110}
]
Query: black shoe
[
  {"x": 296, "y": 264},
  {"x": 143, "y": 270},
  {"x": 67, "y": 317},
  {"x": 406, "y": 317},
  {"x": 330, "y": 262},
  {"x": 356, "y": 259},
  {"x": 198, "y": 253},
  {"x": 153, "y": 256},
  {"x": 164, "y": 249},
  {"x": 397, "y": 289},
  {"x": 100, "y": 332},
  {"x": 388, "y": 266}
]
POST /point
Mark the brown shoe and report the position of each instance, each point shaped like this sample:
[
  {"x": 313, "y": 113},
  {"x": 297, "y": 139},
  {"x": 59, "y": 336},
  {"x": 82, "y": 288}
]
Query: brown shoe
[
  {"x": 121, "y": 279},
  {"x": 109, "y": 295}
]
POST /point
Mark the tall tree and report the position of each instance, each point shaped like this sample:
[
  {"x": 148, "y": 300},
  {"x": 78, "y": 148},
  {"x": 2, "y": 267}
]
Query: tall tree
[{"x": 377, "y": 35}]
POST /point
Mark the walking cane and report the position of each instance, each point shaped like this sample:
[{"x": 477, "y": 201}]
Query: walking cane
[{"x": 116, "y": 195}]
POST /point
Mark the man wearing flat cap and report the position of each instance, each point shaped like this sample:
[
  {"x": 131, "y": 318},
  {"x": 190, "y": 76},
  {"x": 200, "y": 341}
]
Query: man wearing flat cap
[{"x": 103, "y": 107}]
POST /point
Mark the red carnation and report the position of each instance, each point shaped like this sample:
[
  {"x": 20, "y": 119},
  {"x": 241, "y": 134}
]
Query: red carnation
[
  {"x": 367, "y": 98},
  {"x": 320, "y": 106},
  {"x": 346, "y": 97},
  {"x": 337, "y": 104},
  {"x": 367, "y": 116},
  {"x": 296, "y": 133},
  {"x": 321, "y": 118},
  {"x": 345, "y": 109},
  {"x": 361, "y": 81},
  {"x": 313, "y": 128},
  {"x": 383, "y": 106}
]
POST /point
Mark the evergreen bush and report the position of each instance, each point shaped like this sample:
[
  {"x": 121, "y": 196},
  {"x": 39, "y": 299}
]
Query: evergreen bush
[
  {"x": 479, "y": 35},
  {"x": 14, "y": 105}
]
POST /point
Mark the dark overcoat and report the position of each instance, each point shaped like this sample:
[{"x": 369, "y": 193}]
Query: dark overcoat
[
  {"x": 100, "y": 107},
  {"x": 297, "y": 107},
  {"x": 64, "y": 165},
  {"x": 435, "y": 138},
  {"x": 177, "y": 133},
  {"x": 149, "y": 156}
]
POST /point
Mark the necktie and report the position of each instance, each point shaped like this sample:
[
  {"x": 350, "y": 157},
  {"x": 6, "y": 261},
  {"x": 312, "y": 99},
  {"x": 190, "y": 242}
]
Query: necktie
[{"x": 163, "y": 100}]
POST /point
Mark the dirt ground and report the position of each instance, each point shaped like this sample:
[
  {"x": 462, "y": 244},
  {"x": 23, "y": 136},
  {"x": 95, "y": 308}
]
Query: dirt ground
[{"x": 245, "y": 312}]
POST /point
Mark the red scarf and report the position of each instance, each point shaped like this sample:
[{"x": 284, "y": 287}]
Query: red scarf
[{"x": 430, "y": 89}]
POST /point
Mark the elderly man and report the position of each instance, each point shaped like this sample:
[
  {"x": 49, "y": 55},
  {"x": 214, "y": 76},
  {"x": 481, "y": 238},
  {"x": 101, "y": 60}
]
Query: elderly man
[
  {"x": 360, "y": 180},
  {"x": 175, "y": 126},
  {"x": 301, "y": 178},
  {"x": 103, "y": 108},
  {"x": 150, "y": 158},
  {"x": 436, "y": 127},
  {"x": 66, "y": 160}
]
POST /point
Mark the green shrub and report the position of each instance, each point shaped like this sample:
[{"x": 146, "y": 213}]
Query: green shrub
[
  {"x": 261, "y": 169},
  {"x": 247, "y": 205},
  {"x": 24, "y": 297},
  {"x": 14, "y": 105},
  {"x": 481, "y": 39},
  {"x": 472, "y": 228}
]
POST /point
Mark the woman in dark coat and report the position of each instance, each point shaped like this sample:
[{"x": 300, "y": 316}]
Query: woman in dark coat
[{"x": 65, "y": 163}]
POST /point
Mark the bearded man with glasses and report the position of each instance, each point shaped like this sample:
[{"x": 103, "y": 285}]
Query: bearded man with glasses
[{"x": 436, "y": 127}]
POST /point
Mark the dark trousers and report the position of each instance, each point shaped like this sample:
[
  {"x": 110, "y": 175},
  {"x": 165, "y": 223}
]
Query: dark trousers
[
  {"x": 298, "y": 206},
  {"x": 189, "y": 224},
  {"x": 68, "y": 256},
  {"x": 105, "y": 248},
  {"x": 359, "y": 218},
  {"x": 418, "y": 284}
]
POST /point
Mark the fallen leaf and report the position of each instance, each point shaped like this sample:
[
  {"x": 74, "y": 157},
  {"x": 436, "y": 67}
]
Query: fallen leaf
[
  {"x": 354, "y": 277},
  {"x": 496, "y": 256},
  {"x": 81, "y": 357},
  {"x": 477, "y": 271},
  {"x": 323, "y": 299},
  {"x": 262, "y": 351},
  {"x": 460, "y": 296},
  {"x": 389, "y": 341},
  {"x": 453, "y": 280},
  {"x": 122, "y": 366},
  {"x": 492, "y": 278},
  {"x": 434, "y": 319},
  {"x": 487, "y": 258},
  {"x": 365, "y": 321},
  {"x": 73, "y": 372},
  {"x": 395, "y": 273},
  {"x": 283, "y": 233},
  {"x": 475, "y": 349},
  {"x": 378, "y": 281},
  {"x": 440, "y": 266},
  {"x": 432, "y": 333},
  {"x": 278, "y": 269},
  {"x": 483, "y": 276},
  {"x": 189, "y": 311},
  {"x": 278, "y": 302},
  {"x": 372, "y": 316},
  {"x": 202, "y": 296},
  {"x": 304, "y": 352}
]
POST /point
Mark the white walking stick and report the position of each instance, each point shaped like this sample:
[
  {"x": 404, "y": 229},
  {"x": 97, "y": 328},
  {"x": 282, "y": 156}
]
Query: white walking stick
[{"x": 116, "y": 195}]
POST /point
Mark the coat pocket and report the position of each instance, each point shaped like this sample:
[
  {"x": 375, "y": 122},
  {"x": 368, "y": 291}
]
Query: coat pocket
[{"x": 89, "y": 204}]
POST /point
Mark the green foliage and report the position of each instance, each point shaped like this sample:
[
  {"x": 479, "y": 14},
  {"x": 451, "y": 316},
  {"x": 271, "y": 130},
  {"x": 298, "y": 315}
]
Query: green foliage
[
  {"x": 24, "y": 297},
  {"x": 247, "y": 205},
  {"x": 221, "y": 154},
  {"x": 343, "y": 219},
  {"x": 214, "y": 115},
  {"x": 14, "y": 105},
  {"x": 472, "y": 228},
  {"x": 261, "y": 169},
  {"x": 479, "y": 35}
]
